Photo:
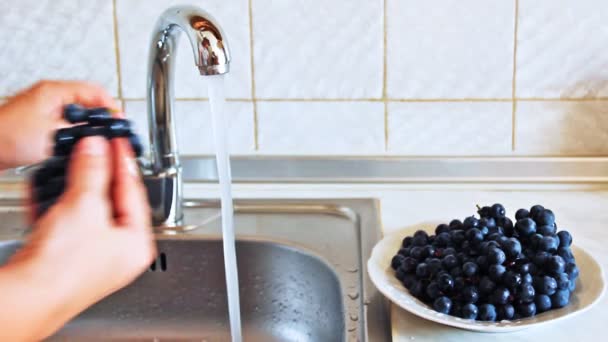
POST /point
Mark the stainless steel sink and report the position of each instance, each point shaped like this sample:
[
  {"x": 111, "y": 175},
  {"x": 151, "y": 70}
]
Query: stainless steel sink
[{"x": 301, "y": 270}]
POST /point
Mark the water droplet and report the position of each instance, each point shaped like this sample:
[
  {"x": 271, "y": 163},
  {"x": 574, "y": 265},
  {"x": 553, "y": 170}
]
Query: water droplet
[
  {"x": 351, "y": 329},
  {"x": 353, "y": 295},
  {"x": 352, "y": 270},
  {"x": 354, "y": 317}
]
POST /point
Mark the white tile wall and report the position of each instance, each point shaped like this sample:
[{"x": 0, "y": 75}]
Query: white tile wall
[
  {"x": 321, "y": 128},
  {"x": 318, "y": 48},
  {"x": 450, "y": 49},
  {"x": 193, "y": 124},
  {"x": 564, "y": 128},
  {"x": 347, "y": 77},
  {"x": 562, "y": 48},
  {"x": 60, "y": 39},
  {"x": 450, "y": 128}
]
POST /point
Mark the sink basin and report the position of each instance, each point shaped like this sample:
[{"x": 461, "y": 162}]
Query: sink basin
[
  {"x": 301, "y": 274},
  {"x": 286, "y": 295}
]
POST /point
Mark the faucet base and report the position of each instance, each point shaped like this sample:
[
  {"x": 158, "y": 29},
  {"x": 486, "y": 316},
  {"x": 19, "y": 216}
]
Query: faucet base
[{"x": 164, "y": 195}]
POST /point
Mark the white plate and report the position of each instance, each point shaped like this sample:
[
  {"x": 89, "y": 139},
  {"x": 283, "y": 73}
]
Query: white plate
[{"x": 589, "y": 289}]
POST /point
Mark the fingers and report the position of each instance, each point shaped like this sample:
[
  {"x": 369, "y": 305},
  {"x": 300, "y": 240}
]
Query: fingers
[
  {"x": 65, "y": 92},
  {"x": 50, "y": 97},
  {"x": 131, "y": 206},
  {"x": 90, "y": 173}
]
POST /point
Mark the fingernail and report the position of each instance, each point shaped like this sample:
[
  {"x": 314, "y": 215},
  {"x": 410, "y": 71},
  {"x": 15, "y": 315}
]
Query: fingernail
[
  {"x": 93, "y": 146},
  {"x": 132, "y": 167}
]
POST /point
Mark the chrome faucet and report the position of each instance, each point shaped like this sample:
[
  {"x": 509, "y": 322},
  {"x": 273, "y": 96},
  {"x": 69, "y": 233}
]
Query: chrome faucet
[{"x": 163, "y": 177}]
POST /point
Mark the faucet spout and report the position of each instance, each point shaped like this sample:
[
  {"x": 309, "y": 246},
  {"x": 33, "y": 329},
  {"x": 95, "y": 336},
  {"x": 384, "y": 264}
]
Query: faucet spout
[{"x": 211, "y": 57}]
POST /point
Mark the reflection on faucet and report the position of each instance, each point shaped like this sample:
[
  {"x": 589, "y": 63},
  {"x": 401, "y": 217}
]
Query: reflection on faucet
[{"x": 211, "y": 56}]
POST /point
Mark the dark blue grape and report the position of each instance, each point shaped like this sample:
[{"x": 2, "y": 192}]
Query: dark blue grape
[
  {"x": 459, "y": 283},
  {"x": 555, "y": 264},
  {"x": 522, "y": 214},
  {"x": 562, "y": 280},
  {"x": 400, "y": 274},
  {"x": 456, "y": 272},
  {"x": 496, "y": 256},
  {"x": 506, "y": 224},
  {"x": 470, "y": 222},
  {"x": 548, "y": 285},
  {"x": 525, "y": 227},
  {"x": 469, "y": 311},
  {"x": 511, "y": 279},
  {"x": 548, "y": 244},
  {"x": 560, "y": 299},
  {"x": 455, "y": 225},
  {"x": 495, "y": 272},
  {"x": 511, "y": 247},
  {"x": 433, "y": 291},
  {"x": 484, "y": 212},
  {"x": 498, "y": 210},
  {"x": 449, "y": 251},
  {"x": 409, "y": 264},
  {"x": 423, "y": 271},
  {"x": 449, "y": 261},
  {"x": 442, "y": 228},
  {"x": 417, "y": 252},
  {"x": 405, "y": 251},
  {"x": 446, "y": 283},
  {"x": 525, "y": 293},
  {"x": 505, "y": 312},
  {"x": 397, "y": 261},
  {"x": 407, "y": 241},
  {"x": 526, "y": 309},
  {"x": 543, "y": 303},
  {"x": 565, "y": 239},
  {"x": 572, "y": 271},
  {"x": 428, "y": 251},
  {"x": 545, "y": 218},
  {"x": 443, "y": 239},
  {"x": 458, "y": 236},
  {"x": 470, "y": 269},
  {"x": 535, "y": 210},
  {"x": 486, "y": 285},
  {"x": 469, "y": 294},
  {"x": 487, "y": 312},
  {"x": 546, "y": 230},
  {"x": 442, "y": 305},
  {"x": 540, "y": 259},
  {"x": 500, "y": 296},
  {"x": 474, "y": 235},
  {"x": 489, "y": 222},
  {"x": 409, "y": 280}
]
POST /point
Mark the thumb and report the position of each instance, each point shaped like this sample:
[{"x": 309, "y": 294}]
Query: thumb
[{"x": 90, "y": 169}]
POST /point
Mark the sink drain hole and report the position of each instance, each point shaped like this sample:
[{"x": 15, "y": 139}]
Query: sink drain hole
[
  {"x": 160, "y": 263},
  {"x": 163, "y": 262}
]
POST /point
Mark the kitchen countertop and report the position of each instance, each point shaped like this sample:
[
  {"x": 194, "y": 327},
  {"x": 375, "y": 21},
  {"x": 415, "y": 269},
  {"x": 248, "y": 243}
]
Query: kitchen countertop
[{"x": 579, "y": 208}]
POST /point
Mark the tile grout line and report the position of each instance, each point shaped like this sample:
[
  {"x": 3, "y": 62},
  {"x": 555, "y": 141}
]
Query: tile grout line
[
  {"x": 384, "y": 76},
  {"x": 256, "y": 143},
  {"x": 236, "y": 99},
  {"x": 117, "y": 48},
  {"x": 514, "y": 80}
]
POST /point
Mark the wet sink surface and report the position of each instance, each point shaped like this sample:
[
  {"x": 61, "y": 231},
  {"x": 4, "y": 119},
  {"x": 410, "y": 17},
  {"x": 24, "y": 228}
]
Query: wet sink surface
[{"x": 301, "y": 273}]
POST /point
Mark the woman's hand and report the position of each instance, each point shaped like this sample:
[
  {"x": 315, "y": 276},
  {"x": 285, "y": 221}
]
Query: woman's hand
[
  {"x": 95, "y": 240},
  {"x": 28, "y": 120}
]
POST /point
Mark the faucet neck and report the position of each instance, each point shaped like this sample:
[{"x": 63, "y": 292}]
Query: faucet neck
[{"x": 212, "y": 57}]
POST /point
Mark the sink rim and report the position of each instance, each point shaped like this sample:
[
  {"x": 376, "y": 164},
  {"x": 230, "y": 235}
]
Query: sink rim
[{"x": 363, "y": 213}]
